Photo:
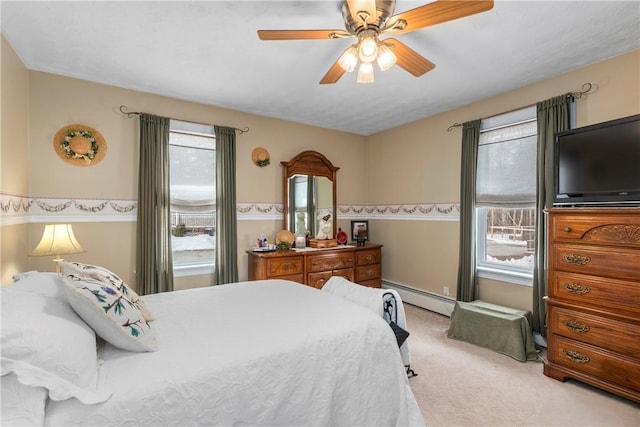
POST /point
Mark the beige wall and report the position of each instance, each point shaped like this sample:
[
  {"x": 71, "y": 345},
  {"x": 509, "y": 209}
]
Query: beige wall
[
  {"x": 14, "y": 156},
  {"x": 56, "y": 101},
  {"x": 413, "y": 164},
  {"x": 420, "y": 163}
]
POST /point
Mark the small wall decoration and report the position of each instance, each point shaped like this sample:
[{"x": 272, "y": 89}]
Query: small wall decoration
[
  {"x": 260, "y": 157},
  {"x": 80, "y": 145},
  {"x": 360, "y": 231}
]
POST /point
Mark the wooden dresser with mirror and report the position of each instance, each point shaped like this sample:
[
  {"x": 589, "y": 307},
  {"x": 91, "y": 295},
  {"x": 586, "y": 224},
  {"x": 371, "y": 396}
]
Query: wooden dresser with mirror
[{"x": 309, "y": 192}]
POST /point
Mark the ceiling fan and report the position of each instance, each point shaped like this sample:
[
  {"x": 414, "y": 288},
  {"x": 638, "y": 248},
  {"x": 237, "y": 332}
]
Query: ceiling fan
[{"x": 366, "y": 20}]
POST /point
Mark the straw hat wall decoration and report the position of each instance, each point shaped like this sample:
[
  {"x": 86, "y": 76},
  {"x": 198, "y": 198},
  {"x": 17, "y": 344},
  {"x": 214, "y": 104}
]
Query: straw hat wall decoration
[
  {"x": 260, "y": 157},
  {"x": 80, "y": 145}
]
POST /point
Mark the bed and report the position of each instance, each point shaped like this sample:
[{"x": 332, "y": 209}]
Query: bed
[{"x": 268, "y": 352}]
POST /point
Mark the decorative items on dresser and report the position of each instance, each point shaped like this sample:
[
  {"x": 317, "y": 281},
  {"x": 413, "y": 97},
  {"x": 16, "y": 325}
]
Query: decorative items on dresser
[
  {"x": 313, "y": 267},
  {"x": 593, "y": 302}
]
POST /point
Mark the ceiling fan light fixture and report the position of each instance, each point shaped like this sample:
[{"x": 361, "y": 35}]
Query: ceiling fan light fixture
[
  {"x": 368, "y": 49},
  {"x": 349, "y": 59},
  {"x": 365, "y": 73},
  {"x": 386, "y": 58}
]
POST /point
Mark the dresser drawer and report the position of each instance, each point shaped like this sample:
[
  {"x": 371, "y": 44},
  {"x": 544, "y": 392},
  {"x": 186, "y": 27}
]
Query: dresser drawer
[
  {"x": 368, "y": 257},
  {"x": 620, "y": 370},
  {"x": 285, "y": 266},
  {"x": 317, "y": 280},
  {"x": 367, "y": 272},
  {"x": 608, "y": 230},
  {"x": 613, "y": 294},
  {"x": 329, "y": 262},
  {"x": 619, "y": 337},
  {"x": 620, "y": 263}
]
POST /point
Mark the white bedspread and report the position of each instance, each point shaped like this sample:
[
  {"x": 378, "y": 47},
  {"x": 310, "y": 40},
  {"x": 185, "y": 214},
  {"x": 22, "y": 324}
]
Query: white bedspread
[{"x": 254, "y": 353}]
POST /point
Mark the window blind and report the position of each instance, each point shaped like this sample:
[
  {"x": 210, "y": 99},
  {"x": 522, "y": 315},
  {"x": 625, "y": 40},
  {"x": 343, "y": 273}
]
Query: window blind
[{"x": 506, "y": 170}]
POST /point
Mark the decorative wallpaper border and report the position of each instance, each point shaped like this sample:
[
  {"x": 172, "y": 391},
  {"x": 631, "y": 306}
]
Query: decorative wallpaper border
[
  {"x": 16, "y": 209},
  {"x": 415, "y": 212}
]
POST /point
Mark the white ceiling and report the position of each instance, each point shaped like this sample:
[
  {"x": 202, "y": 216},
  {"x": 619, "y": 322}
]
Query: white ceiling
[{"x": 209, "y": 52}]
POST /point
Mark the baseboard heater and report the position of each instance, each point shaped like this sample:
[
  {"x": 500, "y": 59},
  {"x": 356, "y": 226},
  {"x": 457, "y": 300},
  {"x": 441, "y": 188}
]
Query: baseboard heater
[{"x": 427, "y": 300}]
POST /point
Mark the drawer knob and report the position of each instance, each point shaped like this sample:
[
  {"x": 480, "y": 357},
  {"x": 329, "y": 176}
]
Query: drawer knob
[
  {"x": 576, "y": 259},
  {"x": 369, "y": 258},
  {"x": 574, "y": 356},
  {"x": 575, "y": 326},
  {"x": 576, "y": 288},
  {"x": 567, "y": 229},
  {"x": 369, "y": 272}
]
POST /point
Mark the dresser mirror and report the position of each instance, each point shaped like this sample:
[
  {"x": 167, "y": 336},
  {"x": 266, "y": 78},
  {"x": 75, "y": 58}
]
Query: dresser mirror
[{"x": 309, "y": 193}]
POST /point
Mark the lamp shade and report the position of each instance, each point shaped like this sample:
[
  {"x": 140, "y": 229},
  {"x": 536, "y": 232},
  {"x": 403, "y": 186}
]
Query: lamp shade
[
  {"x": 368, "y": 49},
  {"x": 349, "y": 59},
  {"x": 57, "y": 239},
  {"x": 386, "y": 58},
  {"x": 365, "y": 73}
]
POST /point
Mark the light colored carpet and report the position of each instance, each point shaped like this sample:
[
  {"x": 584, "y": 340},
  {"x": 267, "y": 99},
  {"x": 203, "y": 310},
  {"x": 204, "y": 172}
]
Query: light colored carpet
[{"x": 459, "y": 384}]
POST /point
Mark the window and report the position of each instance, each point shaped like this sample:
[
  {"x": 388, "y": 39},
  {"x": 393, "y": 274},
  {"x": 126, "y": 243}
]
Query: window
[
  {"x": 506, "y": 196},
  {"x": 192, "y": 170}
]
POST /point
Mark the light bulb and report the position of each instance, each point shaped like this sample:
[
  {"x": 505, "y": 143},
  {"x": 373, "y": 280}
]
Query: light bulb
[
  {"x": 386, "y": 57},
  {"x": 365, "y": 73},
  {"x": 368, "y": 49},
  {"x": 349, "y": 59}
]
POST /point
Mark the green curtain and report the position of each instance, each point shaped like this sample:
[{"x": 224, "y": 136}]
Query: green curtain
[
  {"x": 154, "y": 264},
  {"x": 467, "y": 278},
  {"x": 553, "y": 115},
  {"x": 226, "y": 222}
]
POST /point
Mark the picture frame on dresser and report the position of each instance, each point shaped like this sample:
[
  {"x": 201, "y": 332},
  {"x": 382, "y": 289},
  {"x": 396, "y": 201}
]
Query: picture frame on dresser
[{"x": 359, "y": 230}]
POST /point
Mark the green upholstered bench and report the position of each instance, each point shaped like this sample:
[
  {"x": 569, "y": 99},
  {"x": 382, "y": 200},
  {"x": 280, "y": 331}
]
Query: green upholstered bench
[{"x": 502, "y": 329}]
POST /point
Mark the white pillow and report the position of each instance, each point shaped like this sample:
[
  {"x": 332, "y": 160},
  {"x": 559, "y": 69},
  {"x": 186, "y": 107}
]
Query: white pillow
[
  {"x": 45, "y": 344},
  {"x": 103, "y": 275},
  {"x": 111, "y": 315},
  {"x": 22, "y": 405},
  {"x": 43, "y": 283}
]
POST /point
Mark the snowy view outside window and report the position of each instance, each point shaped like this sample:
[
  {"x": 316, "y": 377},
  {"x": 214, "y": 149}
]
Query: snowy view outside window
[
  {"x": 509, "y": 237},
  {"x": 192, "y": 179},
  {"x": 506, "y": 193}
]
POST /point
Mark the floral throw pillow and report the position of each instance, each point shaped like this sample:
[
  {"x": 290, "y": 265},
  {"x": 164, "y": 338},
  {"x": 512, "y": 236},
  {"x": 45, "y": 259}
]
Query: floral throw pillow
[
  {"x": 103, "y": 275},
  {"x": 110, "y": 314}
]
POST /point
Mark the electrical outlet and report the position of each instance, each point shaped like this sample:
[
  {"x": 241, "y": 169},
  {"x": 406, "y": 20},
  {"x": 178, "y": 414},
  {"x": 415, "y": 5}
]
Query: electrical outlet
[{"x": 445, "y": 291}]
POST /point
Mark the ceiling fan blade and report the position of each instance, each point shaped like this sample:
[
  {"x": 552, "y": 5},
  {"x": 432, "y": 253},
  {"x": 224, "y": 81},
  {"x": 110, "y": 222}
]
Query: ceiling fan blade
[
  {"x": 368, "y": 6},
  {"x": 434, "y": 13},
  {"x": 333, "y": 75},
  {"x": 408, "y": 58},
  {"x": 301, "y": 34}
]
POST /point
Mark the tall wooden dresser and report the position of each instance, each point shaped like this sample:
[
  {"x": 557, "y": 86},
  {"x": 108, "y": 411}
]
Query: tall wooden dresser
[
  {"x": 360, "y": 264},
  {"x": 593, "y": 302}
]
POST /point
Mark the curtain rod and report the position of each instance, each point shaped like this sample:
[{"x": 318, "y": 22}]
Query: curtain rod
[
  {"x": 123, "y": 110},
  {"x": 586, "y": 88}
]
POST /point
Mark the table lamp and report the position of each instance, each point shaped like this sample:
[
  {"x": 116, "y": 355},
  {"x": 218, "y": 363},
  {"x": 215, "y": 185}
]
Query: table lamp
[{"x": 57, "y": 239}]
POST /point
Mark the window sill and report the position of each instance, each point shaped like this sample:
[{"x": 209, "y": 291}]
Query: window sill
[
  {"x": 193, "y": 269},
  {"x": 517, "y": 278}
]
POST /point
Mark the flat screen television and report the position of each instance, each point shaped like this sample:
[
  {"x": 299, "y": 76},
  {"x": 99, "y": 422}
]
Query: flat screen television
[{"x": 598, "y": 164}]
